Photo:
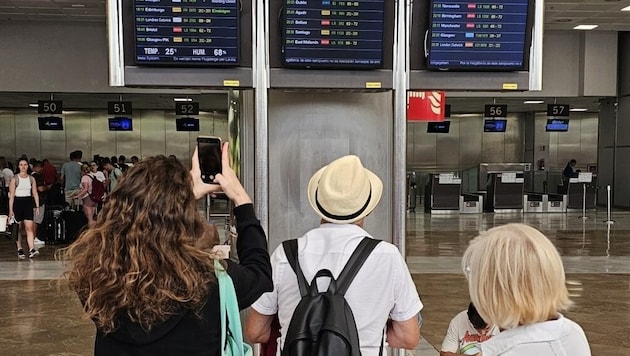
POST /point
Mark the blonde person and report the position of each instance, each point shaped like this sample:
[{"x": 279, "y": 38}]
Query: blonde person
[
  {"x": 516, "y": 281},
  {"x": 23, "y": 203},
  {"x": 89, "y": 205}
]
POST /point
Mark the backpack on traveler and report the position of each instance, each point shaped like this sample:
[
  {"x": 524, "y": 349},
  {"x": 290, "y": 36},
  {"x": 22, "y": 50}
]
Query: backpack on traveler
[
  {"x": 98, "y": 190},
  {"x": 322, "y": 323}
]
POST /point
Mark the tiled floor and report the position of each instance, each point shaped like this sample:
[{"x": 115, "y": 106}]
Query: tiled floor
[{"x": 38, "y": 317}]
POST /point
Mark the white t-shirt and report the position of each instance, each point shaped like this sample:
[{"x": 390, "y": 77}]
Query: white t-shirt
[
  {"x": 382, "y": 288},
  {"x": 463, "y": 338},
  {"x": 554, "y": 337},
  {"x": 100, "y": 176}
]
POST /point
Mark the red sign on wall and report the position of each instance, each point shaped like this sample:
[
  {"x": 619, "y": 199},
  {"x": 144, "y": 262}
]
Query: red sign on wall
[{"x": 426, "y": 105}]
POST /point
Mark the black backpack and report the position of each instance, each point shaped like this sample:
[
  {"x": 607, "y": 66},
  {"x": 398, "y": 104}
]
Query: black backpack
[{"x": 322, "y": 323}]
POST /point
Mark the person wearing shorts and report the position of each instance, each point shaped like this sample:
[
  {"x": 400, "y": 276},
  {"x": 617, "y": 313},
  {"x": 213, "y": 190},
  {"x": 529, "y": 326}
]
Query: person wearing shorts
[
  {"x": 89, "y": 205},
  {"x": 42, "y": 191},
  {"x": 23, "y": 205}
]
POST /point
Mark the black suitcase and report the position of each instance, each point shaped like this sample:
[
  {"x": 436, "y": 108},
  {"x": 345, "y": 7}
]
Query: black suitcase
[
  {"x": 73, "y": 223},
  {"x": 52, "y": 230}
]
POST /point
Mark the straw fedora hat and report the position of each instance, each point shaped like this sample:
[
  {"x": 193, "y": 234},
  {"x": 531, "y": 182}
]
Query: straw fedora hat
[{"x": 344, "y": 191}]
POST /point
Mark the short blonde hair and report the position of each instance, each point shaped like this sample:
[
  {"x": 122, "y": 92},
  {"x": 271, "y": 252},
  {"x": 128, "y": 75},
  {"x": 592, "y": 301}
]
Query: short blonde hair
[{"x": 515, "y": 276}]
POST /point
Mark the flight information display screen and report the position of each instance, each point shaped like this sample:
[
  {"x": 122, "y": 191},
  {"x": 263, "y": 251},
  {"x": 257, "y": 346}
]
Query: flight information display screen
[
  {"x": 333, "y": 33},
  {"x": 494, "y": 125},
  {"x": 472, "y": 35},
  {"x": 186, "y": 32},
  {"x": 557, "y": 125}
]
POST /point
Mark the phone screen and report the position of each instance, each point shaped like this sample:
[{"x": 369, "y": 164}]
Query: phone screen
[{"x": 209, "y": 157}]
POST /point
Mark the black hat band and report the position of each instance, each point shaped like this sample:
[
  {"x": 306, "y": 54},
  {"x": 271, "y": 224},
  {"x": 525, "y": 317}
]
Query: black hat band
[{"x": 343, "y": 217}]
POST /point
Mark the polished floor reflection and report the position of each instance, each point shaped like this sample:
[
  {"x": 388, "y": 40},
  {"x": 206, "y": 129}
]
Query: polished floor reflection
[
  {"x": 38, "y": 317},
  {"x": 596, "y": 256}
]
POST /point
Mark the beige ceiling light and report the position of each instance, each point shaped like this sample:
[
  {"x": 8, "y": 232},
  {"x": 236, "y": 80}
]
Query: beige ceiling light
[
  {"x": 534, "y": 102},
  {"x": 627, "y": 8},
  {"x": 585, "y": 27}
]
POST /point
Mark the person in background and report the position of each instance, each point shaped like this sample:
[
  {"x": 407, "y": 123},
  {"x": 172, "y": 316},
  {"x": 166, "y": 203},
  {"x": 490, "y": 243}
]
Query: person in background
[
  {"x": 95, "y": 172},
  {"x": 516, "y": 281},
  {"x": 114, "y": 174},
  {"x": 49, "y": 172},
  {"x": 122, "y": 164},
  {"x": 89, "y": 205},
  {"x": 145, "y": 271},
  {"x": 6, "y": 173},
  {"x": 42, "y": 190},
  {"x": 381, "y": 296},
  {"x": 22, "y": 195},
  {"x": 134, "y": 160},
  {"x": 71, "y": 175},
  {"x": 465, "y": 331},
  {"x": 569, "y": 170}
]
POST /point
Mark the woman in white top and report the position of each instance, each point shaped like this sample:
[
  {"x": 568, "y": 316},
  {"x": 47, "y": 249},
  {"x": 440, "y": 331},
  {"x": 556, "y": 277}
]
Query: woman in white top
[
  {"x": 516, "y": 280},
  {"x": 94, "y": 171},
  {"x": 23, "y": 202}
]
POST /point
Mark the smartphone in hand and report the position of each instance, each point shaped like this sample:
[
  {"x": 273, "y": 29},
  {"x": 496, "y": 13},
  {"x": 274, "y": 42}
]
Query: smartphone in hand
[{"x": 209, "y": 152}]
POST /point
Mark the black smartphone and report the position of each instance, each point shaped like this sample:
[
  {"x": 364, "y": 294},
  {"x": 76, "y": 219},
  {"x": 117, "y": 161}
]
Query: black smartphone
[{"x": 209, "y": 152}]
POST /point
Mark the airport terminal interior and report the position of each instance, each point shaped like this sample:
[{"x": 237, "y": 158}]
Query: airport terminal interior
[
  {"x": 460, "y": 149},
  {"x": 41, "y": 318}
]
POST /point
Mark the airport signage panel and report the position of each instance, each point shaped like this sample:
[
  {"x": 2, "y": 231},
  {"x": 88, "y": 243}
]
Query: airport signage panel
[
  {"x": 469, "y": 35},
  {"x": 120, "y": 124},
  {"x": 50, "y": 123},
  {"x": 49, "y": 107},
  {"x": 119, "y": 108},
  {"x": 558, "y": 110},
  {"x": 186, "y": 32},
  {"x": 333, "y": 33},
  {"x": 494, "y": 110},
  {"x": 187, "y": 108},
  {"x": 187, "y": 124}
]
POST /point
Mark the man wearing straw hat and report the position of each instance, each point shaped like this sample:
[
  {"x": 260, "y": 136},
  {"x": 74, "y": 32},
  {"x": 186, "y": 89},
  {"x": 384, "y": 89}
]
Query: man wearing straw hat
[{"x": 382, "y": 295}]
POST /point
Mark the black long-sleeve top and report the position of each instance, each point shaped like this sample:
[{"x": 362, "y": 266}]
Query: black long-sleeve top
[{"x": 189, "y": 334}]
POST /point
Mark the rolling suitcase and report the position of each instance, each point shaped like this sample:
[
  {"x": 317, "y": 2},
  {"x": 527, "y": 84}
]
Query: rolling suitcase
[
  {"x": 73, "y": 223},
  {"x": 53, "y": 228}
]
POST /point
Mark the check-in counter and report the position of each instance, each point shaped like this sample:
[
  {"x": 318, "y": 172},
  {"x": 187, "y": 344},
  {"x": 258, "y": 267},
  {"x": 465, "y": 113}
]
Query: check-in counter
[
  {"x": 442, "y": 194},
  {"x": 556, "y": 203},
  {"x": 471, "y": 203},
  {"x": 505, "y": 192},
  {"x": 575, "y": 192},
  {"x": 534, "y": 203}
]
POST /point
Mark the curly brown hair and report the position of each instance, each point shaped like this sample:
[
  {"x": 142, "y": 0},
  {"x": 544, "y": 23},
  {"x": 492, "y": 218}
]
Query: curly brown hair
[{"x": 147, "y": 255}]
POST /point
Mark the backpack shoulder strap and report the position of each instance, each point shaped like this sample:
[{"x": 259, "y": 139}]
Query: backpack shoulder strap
[
  {"x": 355, "y": 263},
  {"x": 291, "y": 250}
]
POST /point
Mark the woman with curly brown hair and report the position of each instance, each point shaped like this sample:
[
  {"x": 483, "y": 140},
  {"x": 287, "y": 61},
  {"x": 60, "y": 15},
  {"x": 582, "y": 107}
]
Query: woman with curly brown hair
[{"x": 144, "y": 272}]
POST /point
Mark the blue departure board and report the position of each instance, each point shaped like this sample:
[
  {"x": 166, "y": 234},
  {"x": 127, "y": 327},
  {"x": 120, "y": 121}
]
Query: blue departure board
[
  {"x": 479, "y": 35},
  {"x": 186, "y": 32},
  {"x": 333, "y": 33}
]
